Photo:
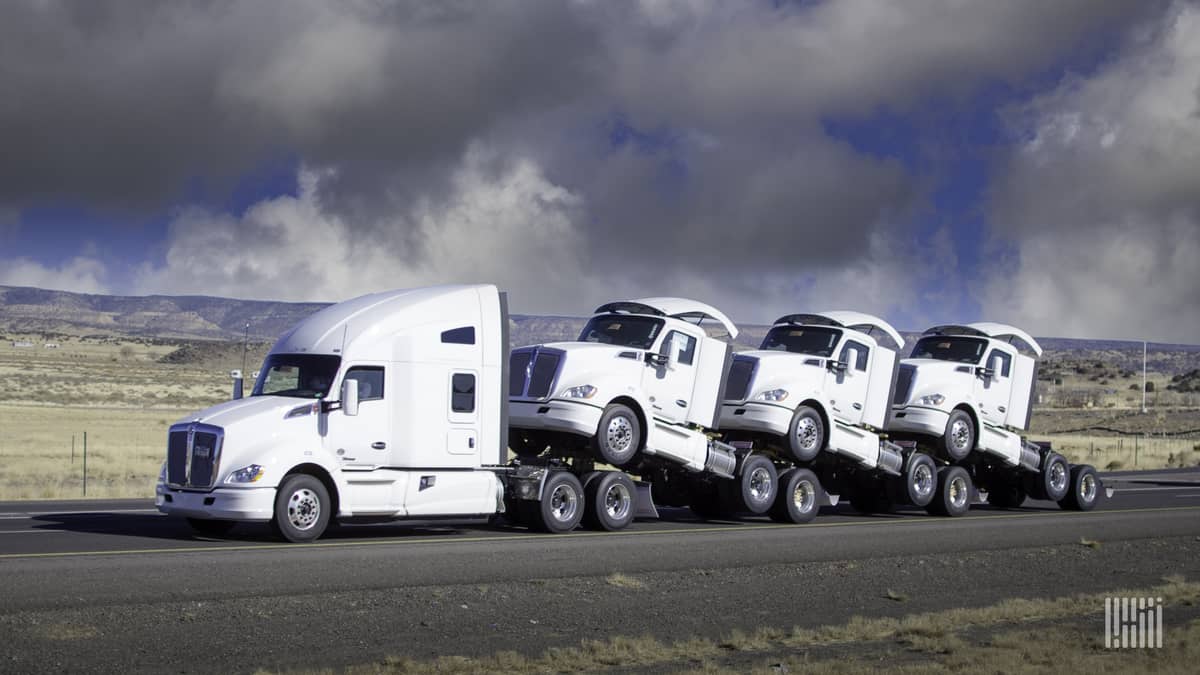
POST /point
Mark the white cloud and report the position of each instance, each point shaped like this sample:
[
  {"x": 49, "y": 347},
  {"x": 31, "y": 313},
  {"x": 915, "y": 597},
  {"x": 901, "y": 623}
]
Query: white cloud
[
  {"x": 81, "y": 274},
  {"x": 1099, "y": 210}
]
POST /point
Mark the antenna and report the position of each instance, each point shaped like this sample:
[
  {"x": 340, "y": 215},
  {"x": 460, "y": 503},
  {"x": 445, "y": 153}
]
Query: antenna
[{"x": 245, "y": 345}]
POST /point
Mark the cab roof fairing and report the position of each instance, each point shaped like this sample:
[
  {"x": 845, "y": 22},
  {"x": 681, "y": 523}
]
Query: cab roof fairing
[
  {"x": 676, "y": 308},
  {"x": 845, "y": 319},
  {"x": 988, "y": 329}
]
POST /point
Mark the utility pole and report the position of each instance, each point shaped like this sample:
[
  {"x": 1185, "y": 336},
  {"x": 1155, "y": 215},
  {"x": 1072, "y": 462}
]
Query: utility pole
[{"x": 1143, "y": 377}]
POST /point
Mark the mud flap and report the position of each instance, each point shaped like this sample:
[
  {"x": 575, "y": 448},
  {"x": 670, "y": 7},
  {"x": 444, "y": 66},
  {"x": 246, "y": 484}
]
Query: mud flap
[
  {"x": 645, "y": 501},
  {"x": 826, "y": 499},
  {"x": 978, "y": 496}
]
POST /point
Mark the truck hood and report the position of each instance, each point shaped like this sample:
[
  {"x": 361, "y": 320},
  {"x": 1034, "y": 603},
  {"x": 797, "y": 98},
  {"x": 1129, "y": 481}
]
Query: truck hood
[
  {"x": 230, "y": 413},
  {"x": 952, "y": 380},
  {"x": 612, "y": 369},
  {"x": 783, "y": 370}
]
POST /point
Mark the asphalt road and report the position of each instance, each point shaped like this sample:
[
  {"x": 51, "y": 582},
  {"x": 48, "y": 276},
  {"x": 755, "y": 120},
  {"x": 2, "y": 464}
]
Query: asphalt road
[{"x": 116, "y": 586}]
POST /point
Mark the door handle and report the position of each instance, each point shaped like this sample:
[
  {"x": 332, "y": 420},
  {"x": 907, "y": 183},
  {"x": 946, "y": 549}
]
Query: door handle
[
  {"x": 379, "y": 445},
  {"x": 681, "y": 403},
  {"x": 858, "y": 406},
  {"x": 1001, "y": 408}
]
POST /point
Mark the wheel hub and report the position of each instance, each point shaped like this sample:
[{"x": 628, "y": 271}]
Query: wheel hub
[
  {"x": 922, "y": 480},
  {"x": 619, "y": 434},
  {"x": 563, "y": 503},
  {"x": 1087, "y": 488},
  {"x": 960, "y": 434},
  {"x": 760, "y": 484},
  {"x": 958, "y": 492},
  {"x": 304, "y": 509},
  {"x": 1058, "y": 476},
  {"x": 806, "y": 433},
  {"x": 804, "y": 496},
  {"x": 617, "y": 501}
]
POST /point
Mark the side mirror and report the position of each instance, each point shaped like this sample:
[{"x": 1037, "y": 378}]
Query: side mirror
[
  {"x": 984, "y": 372},
  {"x": 835, "y": 366},
  {"x": 350, "y": 397},
  {"x": 237, "y": 384},
  {"x": 657, "y": 360}
]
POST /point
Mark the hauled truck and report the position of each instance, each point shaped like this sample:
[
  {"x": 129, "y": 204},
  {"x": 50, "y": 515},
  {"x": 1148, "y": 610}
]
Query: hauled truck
[
  {"x": 641, "y": 389},
  {"x": 815, "y": 397},
  {"x": 387, "y": 406},
  {"x": 966, "y": 393}
]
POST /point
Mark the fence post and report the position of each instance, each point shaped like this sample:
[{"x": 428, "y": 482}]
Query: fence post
[
  {"x": 85, "y": 464},
  {"x": 72, "y": 448},
  {"x": 1135, "y": 452}
]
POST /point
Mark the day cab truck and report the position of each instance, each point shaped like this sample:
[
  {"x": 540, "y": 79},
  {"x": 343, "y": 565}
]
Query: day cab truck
[
  {"x": 388, "y": 406},
  {"x": 815, "y": 397},
  {"x": 966, "y": 394},
  {"x": 640, "y": 390}
]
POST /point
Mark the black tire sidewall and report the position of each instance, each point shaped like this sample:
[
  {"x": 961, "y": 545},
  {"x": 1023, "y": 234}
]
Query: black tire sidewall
[
  {"x": 282, "y": 496},
  {"x": 596, "y": 515},
  {"x": 603, "y": 452},
  {"x": 546, "y": 521},
  {"x": 1045, "y": 477},
  {"x": 799, "y": 454},
  {"x": 739, "y": 488},
  {"x": 948, "y": 446}
]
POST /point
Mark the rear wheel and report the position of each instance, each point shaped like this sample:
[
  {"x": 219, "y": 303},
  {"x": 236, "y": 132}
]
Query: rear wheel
[
  {"x": 753, "y": 490},
  {"x": 1085, "y": 489},
  {"x": 618, "y": 436},
  {"x": 796, "y": 501},
  {"x": 211, "y": 528},
  {"x": 1054, "y": 478},
  {"x": 959, "y": 438},
  {"x": 806, "y": 436},
  {"x": 562, "y": 504},
  {"x": 611, "y": 501},
  {"x": 302, "y": 508},
  {"x": 953, "y": 496},
  {"x": 918, "y": 484}
]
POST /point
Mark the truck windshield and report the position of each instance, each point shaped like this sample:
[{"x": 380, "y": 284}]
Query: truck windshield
[
  {"x": 296, "y": 375},
  {"x": 624, "y": 331},
  {"x": 950, "y": 348},
  {"x": 814, "y": 340}
]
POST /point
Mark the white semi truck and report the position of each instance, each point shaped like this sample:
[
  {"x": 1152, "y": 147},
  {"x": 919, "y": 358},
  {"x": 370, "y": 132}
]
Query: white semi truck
[
  {"x": 387, "y": 406},
  {"x": 816, "y": 395},
  {"x": 966, "y": 393},
  {"x": 641, "y": 389}
]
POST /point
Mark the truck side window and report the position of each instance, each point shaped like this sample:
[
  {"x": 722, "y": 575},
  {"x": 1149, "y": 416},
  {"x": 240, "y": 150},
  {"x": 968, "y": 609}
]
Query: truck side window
[
  {"x": 370, "y": 382},
  {"x": 1005, "y": 362},
  {"x": 459, "y": 336},
  {"x": 462, "y": 394},
  {"x": 683, "y": 345},
  {"x": 861, "y": 362}
]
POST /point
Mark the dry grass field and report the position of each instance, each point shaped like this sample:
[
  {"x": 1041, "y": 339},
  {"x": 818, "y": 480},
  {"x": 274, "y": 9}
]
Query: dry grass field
[{"x": 125, "y": 392}]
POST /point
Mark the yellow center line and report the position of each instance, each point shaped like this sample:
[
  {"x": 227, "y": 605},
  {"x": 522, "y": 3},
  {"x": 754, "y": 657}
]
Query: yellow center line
[{"x": 729, "y": 529}]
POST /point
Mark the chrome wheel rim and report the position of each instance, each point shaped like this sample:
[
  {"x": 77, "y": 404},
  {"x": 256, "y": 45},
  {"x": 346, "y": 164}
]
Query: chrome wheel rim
[
  {"x": 617, "y": 501},
  {"x": 804, "y": 496},
  {"x": 807, "y": 433},
  {"x": 563, "y": 503},
  {"x": 960, "y": 435},
  {"x": 1087, "y": 488},
  {"x": 619, "y": 433},
  {"x": 760, "y": 484},
  {"x": 922, "y": 480},
  {"x": 958, "y": 491},
  {"x": 304, "y": 509},
  {"x": 1058, "y": 477}
]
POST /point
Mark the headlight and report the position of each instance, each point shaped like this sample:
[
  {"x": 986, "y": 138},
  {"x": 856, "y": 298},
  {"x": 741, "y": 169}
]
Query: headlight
[
  {"x": 932, "y": 399},
  {"x": 246, "y": 474},
  {"x": 582, "y": 391},
  {"x": 773, "y": 395}
]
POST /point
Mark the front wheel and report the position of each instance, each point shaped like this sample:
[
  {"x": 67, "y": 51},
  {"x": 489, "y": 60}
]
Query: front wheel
[
  {"x": 618, "y": 436},
  {"x": 959, "y": 439},
  {"x": 806, "y": 436},
  {"x": 302, "y": 508},
  {"x": 796, "y": 501},
  {"x": 953, "y": 496},
  {"x": 611, "y": 501},
  {"x": 753, "y": 490},
  {"x": 562, "y": 504},
  {"x": 1085, "y": 489}
]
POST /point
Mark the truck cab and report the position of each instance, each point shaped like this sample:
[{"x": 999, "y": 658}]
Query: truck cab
[
  {"x": 967, "y": 388},
  {"x": 389, "y": 405},
  {"x": 642, "y": 382}
]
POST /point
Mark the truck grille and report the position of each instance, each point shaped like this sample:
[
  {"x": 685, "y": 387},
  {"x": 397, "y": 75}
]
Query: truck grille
[
  {"x": 741, "y": 374},
  {"x": 193, "y": 455},
  {"x": 532, "y": 372},
  {"x": 904, "y": 382}
]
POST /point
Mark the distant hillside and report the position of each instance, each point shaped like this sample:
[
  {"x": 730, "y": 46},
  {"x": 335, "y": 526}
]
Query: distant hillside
[{"x": 25, "y": 311}]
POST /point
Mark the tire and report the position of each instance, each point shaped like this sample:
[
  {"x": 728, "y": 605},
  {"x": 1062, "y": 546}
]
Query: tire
[
  {"x": 705, "y": 501},
  {"x": 526, "y": 444},
  {"x": 611, "y": 501},
  {"x": 953, "y": 496},
  {"x": 753, "y": 489},
  {"x": 211, "y": 528},
  {"x": 959, "y": 438},
  {"x": 796, "y": 499},
  {"x": 1054, "y": 478},
  {"x": 618, "y": 437},
  {"x": 302, "y": 508},
  {"x": 1007, "y": 494},
  {"x": 562, "y": 504},
  {"x": 806, "y": 435},
  {"x": 1086, "y": 489},
  {"x": 918, "y": 484}
]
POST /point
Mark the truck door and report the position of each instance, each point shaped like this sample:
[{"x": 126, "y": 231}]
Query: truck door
[
  {"x": 670, "y": 382},
  {"x": 847, "y": 384},
  {"x": 993, "y": 390},
  {"x": 362, "y": 441}
]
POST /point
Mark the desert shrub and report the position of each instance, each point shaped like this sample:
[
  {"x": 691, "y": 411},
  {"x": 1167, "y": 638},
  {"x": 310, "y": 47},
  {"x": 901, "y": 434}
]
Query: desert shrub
[{"x": 1115, "y": 465}]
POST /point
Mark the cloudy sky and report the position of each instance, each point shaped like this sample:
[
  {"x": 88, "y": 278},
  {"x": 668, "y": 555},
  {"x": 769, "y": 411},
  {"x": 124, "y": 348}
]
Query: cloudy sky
[{"x": 1025, "y": 161}]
